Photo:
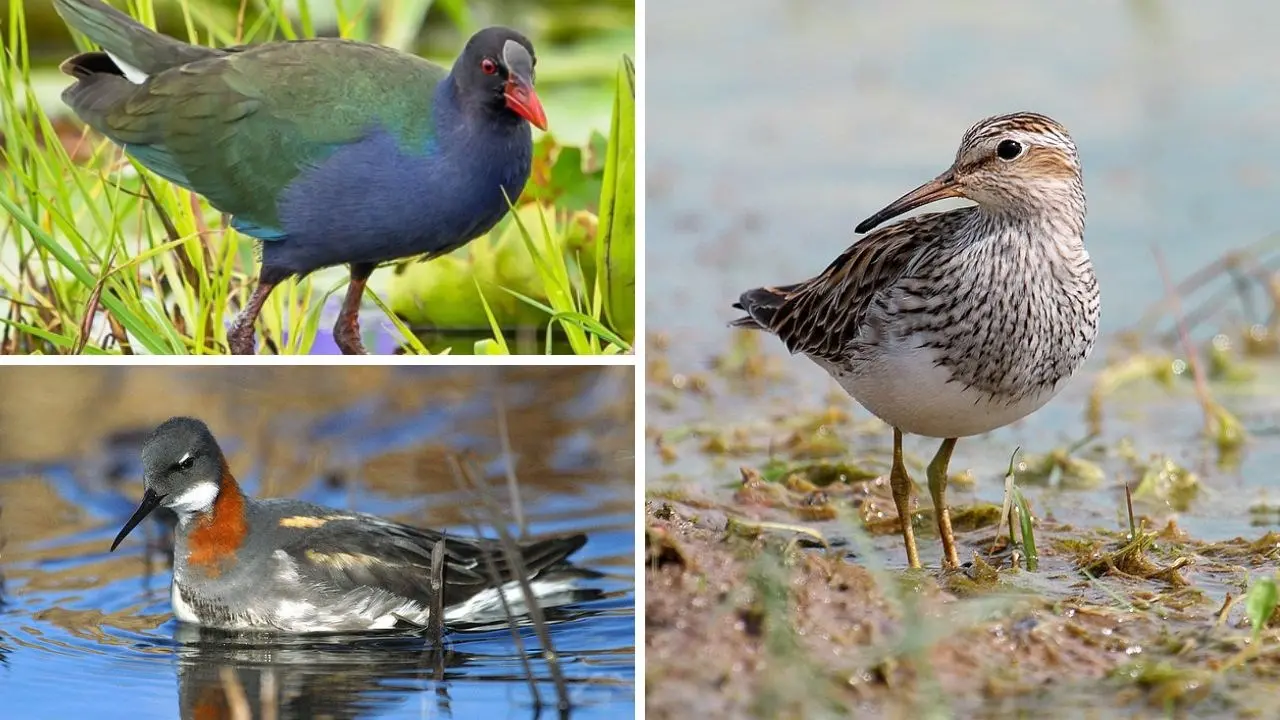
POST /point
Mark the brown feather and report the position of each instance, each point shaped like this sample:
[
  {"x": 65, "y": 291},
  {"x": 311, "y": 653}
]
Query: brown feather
[{"x": 821, "y": 316}]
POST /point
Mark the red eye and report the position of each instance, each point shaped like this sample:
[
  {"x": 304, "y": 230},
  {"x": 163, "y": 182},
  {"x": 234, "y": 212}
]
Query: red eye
[{"x": 488, "y": 66}]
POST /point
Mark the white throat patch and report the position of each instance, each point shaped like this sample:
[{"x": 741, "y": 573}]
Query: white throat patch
[{"x": 195, "y": 499}]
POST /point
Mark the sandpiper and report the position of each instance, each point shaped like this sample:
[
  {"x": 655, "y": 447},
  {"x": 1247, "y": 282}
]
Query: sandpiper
[
  {"x": 295, "y": 567},
  {"x": 955, "y": 323}
]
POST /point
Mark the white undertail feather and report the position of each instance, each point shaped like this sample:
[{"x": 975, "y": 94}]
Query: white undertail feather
[
  {"x": 485, "y": 606},
  {"x": 131, "y": 73}
]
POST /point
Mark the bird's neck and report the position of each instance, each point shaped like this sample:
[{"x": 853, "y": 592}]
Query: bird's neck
[
  {"x": 206, "y": 502},
  {"x": 219, "y": 531},
  {"x": 1052, "y": 220},
  {"x": 456, "y": 110},
  {"x": 498, "y": 142}
]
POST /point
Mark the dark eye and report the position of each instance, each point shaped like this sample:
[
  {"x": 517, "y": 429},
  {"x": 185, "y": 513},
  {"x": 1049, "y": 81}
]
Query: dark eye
[
  {"x": 489, "y": 66},
  {"x": 187, "y": 463},
  {"x": 1008, "y": 149}
]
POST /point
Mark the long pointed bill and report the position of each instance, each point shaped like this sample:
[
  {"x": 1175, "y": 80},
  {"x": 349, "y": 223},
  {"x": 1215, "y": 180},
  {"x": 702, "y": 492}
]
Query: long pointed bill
[
  {"x": 521, "y": 98},
  {"x": 943, "y": 186},
  {"x": 150, "y": 500}
]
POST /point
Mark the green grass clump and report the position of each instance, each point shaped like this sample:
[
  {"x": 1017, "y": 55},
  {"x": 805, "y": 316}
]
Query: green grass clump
[{"x": 98, "y": 255}]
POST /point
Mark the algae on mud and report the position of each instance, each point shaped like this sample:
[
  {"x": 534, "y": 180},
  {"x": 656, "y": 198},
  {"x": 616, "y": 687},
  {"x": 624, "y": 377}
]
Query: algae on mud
[
  {"x": 793, "y": 632},
  {"x": 745, "y": 473}
]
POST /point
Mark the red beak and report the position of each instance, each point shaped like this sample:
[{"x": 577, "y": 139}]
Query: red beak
[{"x": 524, "y": 102}]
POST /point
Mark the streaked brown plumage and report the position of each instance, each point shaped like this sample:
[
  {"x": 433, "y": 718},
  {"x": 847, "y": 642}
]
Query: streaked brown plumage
[{"x": 955, "y": 323}]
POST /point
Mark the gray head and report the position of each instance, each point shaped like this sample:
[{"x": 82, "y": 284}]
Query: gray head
[
  {"x": 496, "y": 72},
  {"x": 182, "y": 469},
  {"x": 1022, "y": 162}
]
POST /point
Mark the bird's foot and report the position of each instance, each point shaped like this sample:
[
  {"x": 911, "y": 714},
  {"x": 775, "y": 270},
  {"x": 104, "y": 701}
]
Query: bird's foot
[
  {"x": 346, "y": 333},
  {"x": 240, "y": 337},
  {"x": 900, "y": 485}
]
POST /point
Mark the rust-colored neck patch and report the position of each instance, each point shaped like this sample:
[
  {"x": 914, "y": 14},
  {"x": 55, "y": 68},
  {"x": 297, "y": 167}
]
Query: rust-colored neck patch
[{"x": 221, "y": 531}]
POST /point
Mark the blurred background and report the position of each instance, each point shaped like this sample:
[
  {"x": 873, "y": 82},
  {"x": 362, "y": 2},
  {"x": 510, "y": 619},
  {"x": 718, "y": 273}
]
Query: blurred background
[
  {"x": 84, "y": 628},
  {"x": 774, "y": 135}
]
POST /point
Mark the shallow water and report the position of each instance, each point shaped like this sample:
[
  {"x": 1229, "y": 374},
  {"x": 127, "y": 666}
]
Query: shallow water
[
  {"x": 85, "y": 629},
  {"x": 773, "y": 136}
]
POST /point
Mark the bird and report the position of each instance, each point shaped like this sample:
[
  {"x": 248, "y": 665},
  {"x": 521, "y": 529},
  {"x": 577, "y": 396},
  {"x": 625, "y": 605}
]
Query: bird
[
  {"x": 288, "y": 566},
  {"x": 326, "y": 151},
  {"x": 952, "y": 324}
]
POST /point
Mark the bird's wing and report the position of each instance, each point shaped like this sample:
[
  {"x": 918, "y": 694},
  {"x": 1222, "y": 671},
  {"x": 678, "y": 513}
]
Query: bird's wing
[
  {"x": 821, "y": 316},
  {"x": 395, "y": 558},
  {"x": 239, "y": 126},
  {"x": 127, "y": 40}
]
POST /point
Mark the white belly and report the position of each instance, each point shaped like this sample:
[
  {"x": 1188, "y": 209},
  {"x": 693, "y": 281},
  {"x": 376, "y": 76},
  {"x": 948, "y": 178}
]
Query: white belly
[{"x": 907, "y": 390}]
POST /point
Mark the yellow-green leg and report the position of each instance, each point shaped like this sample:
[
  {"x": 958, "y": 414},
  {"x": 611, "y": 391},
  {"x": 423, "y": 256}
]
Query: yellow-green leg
[
  {"x": 900, "y": 484},
  {"x": 938, "y": 489}
]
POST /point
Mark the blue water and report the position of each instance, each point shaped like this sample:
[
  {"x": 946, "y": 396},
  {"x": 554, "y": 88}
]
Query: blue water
[{"x": 83, "y": 630}]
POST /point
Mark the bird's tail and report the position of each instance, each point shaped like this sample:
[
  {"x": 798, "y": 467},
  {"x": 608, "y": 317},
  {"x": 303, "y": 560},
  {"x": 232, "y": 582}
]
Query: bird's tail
[
  {"x": 555, "y": 582},
  {"x": 542, "y": 554},
  {"x": 760, "y": 305},
  {"x": 136, "y": 49}
]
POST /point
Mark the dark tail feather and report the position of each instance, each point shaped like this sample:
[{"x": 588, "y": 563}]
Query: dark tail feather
[
  {"x": 550, "y": 553},
  {"x": 99, "y": 88},
  {"x": 89, "y": 64},
  {"x": 760, "y": 305},
  {"x": 126, "y": 38},
  {"x": 547, "y": 564},
  {"x": 551, "y": 564}
]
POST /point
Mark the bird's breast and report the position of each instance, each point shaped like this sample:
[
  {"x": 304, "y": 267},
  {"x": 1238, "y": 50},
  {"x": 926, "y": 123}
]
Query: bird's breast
[
  {"x": 973, "y": 343},
  {"x": 910, "y": 390},
  {"x": 375, "y": 201}
]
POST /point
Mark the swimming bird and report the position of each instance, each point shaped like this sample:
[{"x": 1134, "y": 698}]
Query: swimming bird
[
  {"x": 290, "y": 566},
  {"x": 327, "y": 151},
  {"x": 955, "y": 323}
]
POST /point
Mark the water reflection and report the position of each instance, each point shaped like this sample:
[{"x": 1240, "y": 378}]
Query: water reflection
[{"x": 222, "y": 675}]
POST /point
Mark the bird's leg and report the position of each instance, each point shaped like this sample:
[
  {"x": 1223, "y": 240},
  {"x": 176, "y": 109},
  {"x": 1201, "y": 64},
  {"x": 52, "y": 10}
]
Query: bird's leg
[
  {"x": 900, "y": 484},
  {"x": 938, "y": 489},
  {"x": 240, "y": 335},
  {"x": 346, "y": 332}
]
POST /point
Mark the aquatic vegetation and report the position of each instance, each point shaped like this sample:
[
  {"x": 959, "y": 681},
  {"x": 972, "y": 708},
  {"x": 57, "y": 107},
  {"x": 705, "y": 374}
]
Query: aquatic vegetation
[
  {"x": 97, "y": 255},
  {"x": 1114, "y": 594}
]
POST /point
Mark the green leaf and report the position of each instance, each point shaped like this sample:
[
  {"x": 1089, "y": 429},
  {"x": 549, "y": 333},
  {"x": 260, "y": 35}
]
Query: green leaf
[
  {"x": 1260, "y": 603},
  {"x": 616, "y": 248},
  {"x": 113, "y": 304},
  {"x": 1027, "y": 531},
  {"x": 497, "y": 345}
]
